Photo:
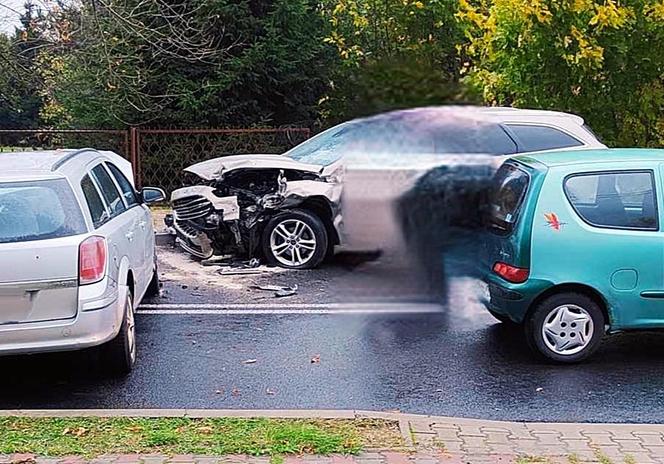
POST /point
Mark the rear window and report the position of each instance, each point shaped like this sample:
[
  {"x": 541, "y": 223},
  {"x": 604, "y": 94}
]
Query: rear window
[
  {"x": 538, "y": 138},
  {"x": 620, "y": 200},
  {"x": 509, "y": 187},
  {"x": 38, "y": 210}
]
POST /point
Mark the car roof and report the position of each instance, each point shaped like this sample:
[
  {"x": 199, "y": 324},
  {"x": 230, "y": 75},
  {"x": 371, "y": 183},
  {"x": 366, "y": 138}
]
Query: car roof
[
  {"x": 44, "y": 164},
  {"x": 578, "y": 157},
  {"x": 496, "y": 114}
]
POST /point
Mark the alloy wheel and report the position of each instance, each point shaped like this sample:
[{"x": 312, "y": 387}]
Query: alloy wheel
[{"x": 292, "y": 242}]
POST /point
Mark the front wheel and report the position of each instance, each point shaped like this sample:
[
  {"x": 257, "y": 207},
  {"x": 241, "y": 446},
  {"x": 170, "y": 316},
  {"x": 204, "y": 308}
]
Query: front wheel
[
  {"x": 295, "y": 239},
  {"x": 565, "y": 328}
]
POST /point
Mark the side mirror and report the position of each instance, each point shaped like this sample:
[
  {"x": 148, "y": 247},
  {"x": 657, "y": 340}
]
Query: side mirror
[{"x": 152, "y": 195}]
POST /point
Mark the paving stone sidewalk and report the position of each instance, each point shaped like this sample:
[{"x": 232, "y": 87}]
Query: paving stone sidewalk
[{"x": 478, "y": 441}]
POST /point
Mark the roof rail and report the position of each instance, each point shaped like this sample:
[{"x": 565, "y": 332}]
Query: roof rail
[{"x": 58, "y": 164}]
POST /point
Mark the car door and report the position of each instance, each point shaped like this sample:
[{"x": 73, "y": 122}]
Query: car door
[
  {"x": 620, "y": 246},
  {"x": 144, "y": 239},
  {"x": 120, "y": 224}
]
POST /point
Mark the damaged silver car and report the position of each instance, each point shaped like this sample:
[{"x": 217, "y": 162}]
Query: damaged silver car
[
  {"x": 285, "y": 210},
  {"x": 348, "y": 185}
]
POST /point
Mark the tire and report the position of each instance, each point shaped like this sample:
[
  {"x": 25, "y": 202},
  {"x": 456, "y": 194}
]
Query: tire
[
  {"x": 502, "y": 318},
  {"x": 119, "y": 355},
  {"x": 153, "y": 286},
  {"x": 292, "y": 234},
  {"x": 569, "y": 317}
]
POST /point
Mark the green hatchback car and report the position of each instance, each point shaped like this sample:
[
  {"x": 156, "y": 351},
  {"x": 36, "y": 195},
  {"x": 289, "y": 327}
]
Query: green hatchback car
[{"x": 576, "y": 248}]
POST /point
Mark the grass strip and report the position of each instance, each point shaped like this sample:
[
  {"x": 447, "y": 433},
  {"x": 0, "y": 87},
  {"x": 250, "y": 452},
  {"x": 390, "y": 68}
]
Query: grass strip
[{"x": 90, "y": 437}]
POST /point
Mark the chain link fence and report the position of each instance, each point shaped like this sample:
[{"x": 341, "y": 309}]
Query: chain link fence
[
  {"x": 159, "y": 155},
  {"x": 51, "y": 139},
  {"x": 164, "y": 153}
]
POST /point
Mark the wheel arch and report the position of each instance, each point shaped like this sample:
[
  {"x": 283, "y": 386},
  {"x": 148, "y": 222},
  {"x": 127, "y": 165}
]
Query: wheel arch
[
  {"x": 126, "y": 276},
  {"x": 572, "y": 287},
  {"x": 321, "y": 207}
]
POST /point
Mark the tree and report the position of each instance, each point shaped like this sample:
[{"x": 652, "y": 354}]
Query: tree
[
  {"x": 601, "y": 59},
  {"x": 395, "y": 53},
  {"x": 185, "y": 63},
  {"x": 19, "y": 85}
]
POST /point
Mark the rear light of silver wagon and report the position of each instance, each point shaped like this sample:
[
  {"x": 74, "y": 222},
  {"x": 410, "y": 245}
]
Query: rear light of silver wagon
[
  {"x": 91, "y": 260},
  {"x": 516, "y": 275}
]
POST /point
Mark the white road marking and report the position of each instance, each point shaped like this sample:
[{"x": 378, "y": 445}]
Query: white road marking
[{"x": 288, "y": 308}]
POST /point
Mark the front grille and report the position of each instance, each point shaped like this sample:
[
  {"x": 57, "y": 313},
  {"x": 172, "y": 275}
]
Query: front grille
[{"x": 193, "y": 207}]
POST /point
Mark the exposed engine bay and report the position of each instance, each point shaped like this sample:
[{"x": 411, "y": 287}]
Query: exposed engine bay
[{"x": 226, "y": 211}]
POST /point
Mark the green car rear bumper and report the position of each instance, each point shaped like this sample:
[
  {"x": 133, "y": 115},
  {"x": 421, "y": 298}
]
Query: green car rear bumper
[{"x": 514, "y": 300}]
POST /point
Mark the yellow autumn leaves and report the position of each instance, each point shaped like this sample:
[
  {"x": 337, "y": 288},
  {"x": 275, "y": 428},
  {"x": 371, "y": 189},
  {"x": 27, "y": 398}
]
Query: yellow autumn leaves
[{"x": 577, "y": 23}]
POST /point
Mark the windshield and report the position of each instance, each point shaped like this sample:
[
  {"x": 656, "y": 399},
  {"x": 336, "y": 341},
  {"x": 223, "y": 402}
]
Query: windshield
[
  {"x": 509, "y": 187},
  {"x": 38, "y": 210},
  {"x": 398, "y": 139},
  {"x": 323, "y": 149}
]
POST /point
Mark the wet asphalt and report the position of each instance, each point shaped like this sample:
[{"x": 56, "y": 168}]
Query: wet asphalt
[{"x": 456, "y": 362}]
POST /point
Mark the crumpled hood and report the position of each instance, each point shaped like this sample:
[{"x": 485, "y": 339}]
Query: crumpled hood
[{"x": 214, "y": 168}]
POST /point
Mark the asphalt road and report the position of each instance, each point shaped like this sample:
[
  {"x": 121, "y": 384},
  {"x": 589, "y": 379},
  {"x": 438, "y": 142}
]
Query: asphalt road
[{"x": 456, "y": 362}]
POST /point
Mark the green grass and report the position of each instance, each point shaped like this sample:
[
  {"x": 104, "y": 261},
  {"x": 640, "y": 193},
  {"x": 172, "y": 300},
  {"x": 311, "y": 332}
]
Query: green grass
[
  {"x": 532, "y": 460},
  {"x": 90, "y": 437}
]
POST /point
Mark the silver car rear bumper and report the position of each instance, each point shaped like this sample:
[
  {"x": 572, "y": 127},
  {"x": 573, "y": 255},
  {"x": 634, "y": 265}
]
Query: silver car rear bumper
[{"x": 89, "y": 328}]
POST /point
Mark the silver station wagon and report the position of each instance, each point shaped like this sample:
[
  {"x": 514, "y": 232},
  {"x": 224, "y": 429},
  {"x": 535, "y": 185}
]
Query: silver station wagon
[{"x": 76, "y": 254}]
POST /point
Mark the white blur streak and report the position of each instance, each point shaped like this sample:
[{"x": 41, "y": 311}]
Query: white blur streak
[{"x": 289, "y": 308}]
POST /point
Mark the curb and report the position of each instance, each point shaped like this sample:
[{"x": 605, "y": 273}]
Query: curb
[{"x": 401, "y": 418}]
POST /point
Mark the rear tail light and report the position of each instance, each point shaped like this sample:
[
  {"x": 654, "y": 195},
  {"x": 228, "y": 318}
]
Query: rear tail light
[
  {"x": 91, "y": 260},
  {"x": 516, "y": 275}
]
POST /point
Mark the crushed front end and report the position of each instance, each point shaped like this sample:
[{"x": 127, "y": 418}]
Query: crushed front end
[{"x": 226, "y": 215}]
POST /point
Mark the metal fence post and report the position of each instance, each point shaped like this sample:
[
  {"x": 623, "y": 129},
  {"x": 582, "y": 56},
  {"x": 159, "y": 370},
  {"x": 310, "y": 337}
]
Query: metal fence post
[{"x": 135, "y": 156}]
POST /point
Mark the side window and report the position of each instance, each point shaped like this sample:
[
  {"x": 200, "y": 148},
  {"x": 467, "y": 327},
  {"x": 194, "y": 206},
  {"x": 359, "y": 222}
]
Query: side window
[
  {"x": 474, "y": 137},
  {"x": 108, "y": 190},
  {"x": 128, "y": 192},
  {"x": 94, "y": 201},
  {"x": 624, "y": 200},
  {"x": 537, "y": 138}
]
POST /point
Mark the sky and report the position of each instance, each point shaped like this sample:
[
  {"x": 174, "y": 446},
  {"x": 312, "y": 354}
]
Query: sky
[{"x": 9, "y": 18}]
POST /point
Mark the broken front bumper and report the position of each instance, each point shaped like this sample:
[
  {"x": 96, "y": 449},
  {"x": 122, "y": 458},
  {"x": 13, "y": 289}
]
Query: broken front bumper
[{"x": 195, "y": 209}]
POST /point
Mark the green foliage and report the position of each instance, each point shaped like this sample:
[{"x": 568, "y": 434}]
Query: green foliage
[
  {"x": 395, "y": 53},
  {"x": 19, "y": 98},
  {"x": 600, "y": 59},
  {"x": 215, "y": 63},
  {"x": 187, "y": 63}
]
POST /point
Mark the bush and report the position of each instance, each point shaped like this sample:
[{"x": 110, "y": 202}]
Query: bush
[{"x": 599, "y": 59}]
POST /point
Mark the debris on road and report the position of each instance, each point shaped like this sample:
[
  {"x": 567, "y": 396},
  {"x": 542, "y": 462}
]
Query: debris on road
[
  {"x": 315, "y": 359},
  {"x": 239, "y": 271},
  {"x": 253, "y": 266},
  {"x": 270, "y": 392},
  {"x": 235, "y": 392},
  {"x": 250, "y": 361},
  {"x": 216, "y": 260},
  {"x": 280, "y": 291},
  {"x": 539, "y": 389}
]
